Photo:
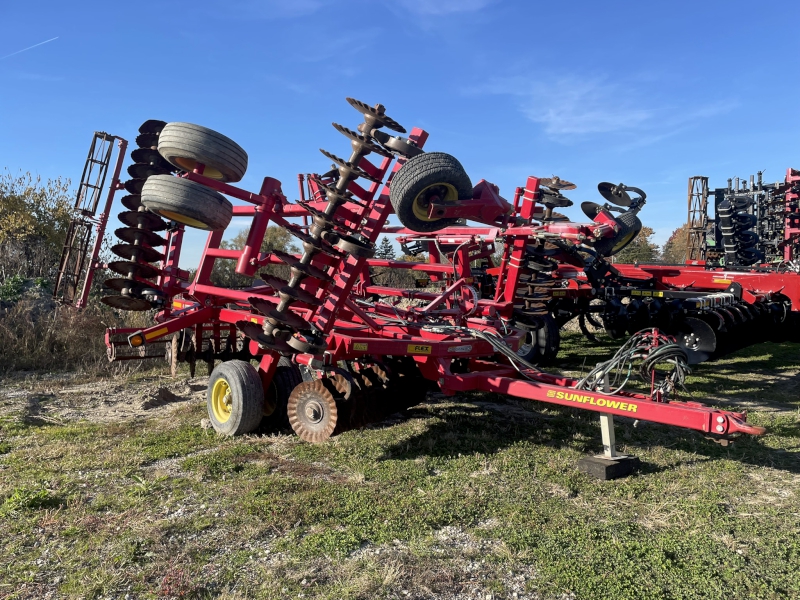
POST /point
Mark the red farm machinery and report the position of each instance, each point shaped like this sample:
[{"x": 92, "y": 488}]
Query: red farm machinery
[
  {"x": 336, "y": 348},
  {"x": 740, "y": 284}
]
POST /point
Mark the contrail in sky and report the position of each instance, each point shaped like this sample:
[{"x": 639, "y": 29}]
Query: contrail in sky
[{"x": 28, "y": 48}]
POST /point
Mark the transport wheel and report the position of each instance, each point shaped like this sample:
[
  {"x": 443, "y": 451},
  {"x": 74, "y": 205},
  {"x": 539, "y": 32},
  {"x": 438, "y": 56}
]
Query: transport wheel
[
  {"x": 430, "y": 177},
  {"x": 235, "y": 398},
  {"x": 184, "y": 145},
  {"x": 630, "y": 226},
  {"x": 541, "y": 345},
  {"x": 312, "y": 411},
  {"x": 187, "y": 202},
  {"x": 276, "y": 396}
]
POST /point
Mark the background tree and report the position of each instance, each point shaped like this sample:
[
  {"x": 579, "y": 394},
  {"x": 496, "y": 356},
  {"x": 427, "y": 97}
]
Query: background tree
[
  {"x": 642, "y": 249},
  {"x": 676, "y": 247},
  {"x": 385, "y": 249},
  {"x": 275, "y": 238},
  {"x": 34, "y": 219}
]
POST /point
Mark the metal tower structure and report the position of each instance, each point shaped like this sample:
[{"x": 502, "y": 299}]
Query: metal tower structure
[
  {"x": 698, "y": 218},
  {"x": 86, "y": 230}
]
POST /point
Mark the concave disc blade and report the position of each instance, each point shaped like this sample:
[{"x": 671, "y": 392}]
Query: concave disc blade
[
  {"x": 150, "y": 157},
  {"x": 124, "y": 267},
  {"x": 126, "y": 303},
  {"x": 118, "y": 284},
  {"x": 144, "y": 170},
  {"x": 132, "y": 252},
  {"x": 132, "y": 202},
  {"x": 146, "y": 220},
  {"x": 556, "y": 183},
  {"x": 147, "y": 140},
  {"x": 591, "y": 209},
  {"x": 134, "y": 186},
  {"x": 134, "y": 234},
  {"x": 615, "y": 196},
  {"x": 152, "y": 126},
  {"x": 697, "y": 338}
]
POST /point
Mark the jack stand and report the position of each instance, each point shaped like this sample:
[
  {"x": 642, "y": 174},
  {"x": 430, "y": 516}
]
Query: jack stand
[{"x": 608, "y": 465}]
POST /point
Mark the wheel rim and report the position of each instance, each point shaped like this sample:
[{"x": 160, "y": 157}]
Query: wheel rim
[
  {"x": 624, "y": 242},
  {"x": 189, "y": 165},
  {"x": 172, "y": 216},
  {"x": 526, "y": 347},
  {"x": 221, "y": 400},
  {"x": 437, "y": 191}
]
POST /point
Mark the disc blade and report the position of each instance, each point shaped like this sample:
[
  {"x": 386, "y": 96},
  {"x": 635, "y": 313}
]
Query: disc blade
[
  {"x": 151, "y": 157},
  {"x": 697, "y": 338},
  {"x": 145, "y": 170},
  {"x": 143, "y": 219},
  {"x": 124, "y": 267},
  {"x": 119, "y": 284},
  {"x": 613, "y": 194},
  {"x": 591, "y": 209},
  {"x": 133, "y": 252},
  {"x": 147, "y": 140},
  {"x": 132, "y": 202},
  {"x": 126, "y": 303},
  {"x": 135, "y": 234},
  {"x": 381, "y": 119},
  {"x": 152, "y": 126},
  {"x": 556, "y": 183},
  {"x": 134, "y": 186}
]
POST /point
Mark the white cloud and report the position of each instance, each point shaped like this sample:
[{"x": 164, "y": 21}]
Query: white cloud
[
  {"x": 572, "y": 107},
  {"x": 442, "y": 7}
]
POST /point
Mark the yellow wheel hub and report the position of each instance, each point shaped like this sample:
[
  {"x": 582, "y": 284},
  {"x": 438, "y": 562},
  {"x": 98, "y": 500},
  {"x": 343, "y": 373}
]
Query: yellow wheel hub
[
  {"x": 623, "y": 242},
  {"x": 221, "y": 400},
  {"x": 173, "y": 216},
  {"x": 436, "y": 192}
]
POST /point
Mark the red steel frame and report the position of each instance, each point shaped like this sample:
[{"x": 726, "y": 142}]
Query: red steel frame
[{"x": 361, "y": 330}]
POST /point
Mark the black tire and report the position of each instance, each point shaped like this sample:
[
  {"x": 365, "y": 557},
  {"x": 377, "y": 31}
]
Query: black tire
[
  {"x": 426, "y": 175},
  {"x": 541, "y": 345},
  {"x": 184, "y": 145},
  {"x": 287, "y": 377},
  {"x": 242, "y": 411},
  {"x": 629, "y": 227},
  {"x": 187, "y": 202}
]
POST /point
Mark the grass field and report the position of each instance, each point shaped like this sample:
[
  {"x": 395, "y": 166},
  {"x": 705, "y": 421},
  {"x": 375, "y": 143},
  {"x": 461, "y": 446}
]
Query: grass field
[{"x": 469, "y": 497}]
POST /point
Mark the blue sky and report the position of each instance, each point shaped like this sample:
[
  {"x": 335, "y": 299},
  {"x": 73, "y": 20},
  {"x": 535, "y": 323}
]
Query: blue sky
[{"x": 640, "y": 92}]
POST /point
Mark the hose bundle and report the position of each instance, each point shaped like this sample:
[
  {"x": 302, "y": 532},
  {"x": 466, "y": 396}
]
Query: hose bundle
[{"x": 651, "y": 348}]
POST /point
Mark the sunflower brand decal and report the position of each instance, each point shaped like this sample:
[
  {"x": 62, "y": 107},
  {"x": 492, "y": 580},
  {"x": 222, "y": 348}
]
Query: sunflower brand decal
[{"x": 593, "y": 400}]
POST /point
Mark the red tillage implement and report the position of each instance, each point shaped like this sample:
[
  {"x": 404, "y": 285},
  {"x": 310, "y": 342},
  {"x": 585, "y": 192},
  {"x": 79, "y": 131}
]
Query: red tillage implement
[{"x": 370, "y": 355}]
